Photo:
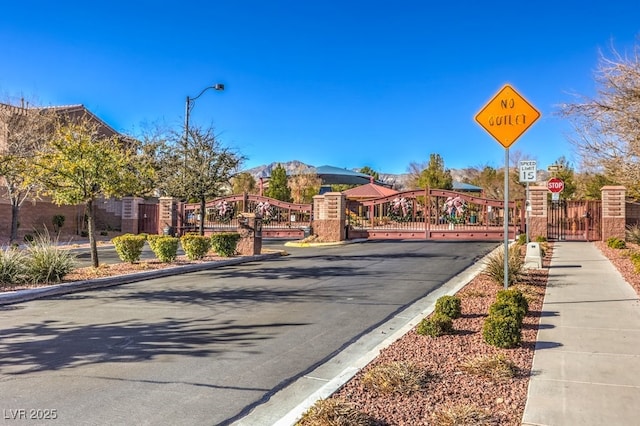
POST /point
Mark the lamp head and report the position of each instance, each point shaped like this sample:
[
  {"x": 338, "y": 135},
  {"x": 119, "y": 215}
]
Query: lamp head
[{"x": 219, "y": 86}]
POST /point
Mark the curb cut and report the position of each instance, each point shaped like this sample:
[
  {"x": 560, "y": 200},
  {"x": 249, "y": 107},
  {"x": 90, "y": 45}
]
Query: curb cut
[{"x": 8, "y": 298}]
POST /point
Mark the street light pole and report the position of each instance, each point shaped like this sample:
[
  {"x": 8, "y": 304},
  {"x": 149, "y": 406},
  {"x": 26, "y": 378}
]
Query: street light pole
[{"x": 189, "y": 106}]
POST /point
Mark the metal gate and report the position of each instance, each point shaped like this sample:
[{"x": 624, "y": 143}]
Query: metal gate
[
  {"x": 432, "y": 214},
  {"x": 569, "y": 220}
]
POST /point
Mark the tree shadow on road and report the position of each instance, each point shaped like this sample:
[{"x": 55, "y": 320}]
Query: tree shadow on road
[{"x": 55, "y": 345}]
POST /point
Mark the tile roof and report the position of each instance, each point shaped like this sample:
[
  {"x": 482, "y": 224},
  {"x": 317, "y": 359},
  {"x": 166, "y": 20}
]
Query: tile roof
[{"x": 370, "y": 190}]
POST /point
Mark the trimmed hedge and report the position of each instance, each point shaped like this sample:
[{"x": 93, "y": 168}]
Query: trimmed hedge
[
  {"x": 164, "y": 247},
  {"x": 129, "y": 247},
  {"x": 225, "y": 243},
  {"x": 195, "y": 246},
  {"x": 450, "y": 306}
]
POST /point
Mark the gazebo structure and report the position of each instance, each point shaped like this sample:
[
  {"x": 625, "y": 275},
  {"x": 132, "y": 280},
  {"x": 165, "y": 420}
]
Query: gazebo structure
[{"x": 368, "y": 191}]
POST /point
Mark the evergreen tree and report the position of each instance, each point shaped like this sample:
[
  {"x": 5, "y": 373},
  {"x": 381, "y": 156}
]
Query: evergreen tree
[
  {"x": 278, "y": 187},
  {"x": 435, "y": 175}
]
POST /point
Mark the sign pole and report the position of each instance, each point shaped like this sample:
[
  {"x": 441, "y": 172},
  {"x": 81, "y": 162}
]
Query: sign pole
[
  {"x": 527, "y": 206},
  {"x": 506, "y": 218},
  {"x": 507, "y": 116}
]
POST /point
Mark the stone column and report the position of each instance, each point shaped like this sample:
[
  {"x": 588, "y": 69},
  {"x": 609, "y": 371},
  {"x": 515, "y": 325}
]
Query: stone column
[
  {"x": 539, "y": 212},
  {"x": 130, "y": 214},
  {"x": 250, "y": 230},
  {"x": 613, "y": 220},
  {"x": 329, "y": 219},
  {"x": 167, "y": 215}
]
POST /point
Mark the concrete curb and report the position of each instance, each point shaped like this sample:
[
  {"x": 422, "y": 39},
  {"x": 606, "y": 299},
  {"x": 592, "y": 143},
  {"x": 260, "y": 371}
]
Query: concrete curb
[
  {"x": 312, "y": 244},
  {"x": 269, "y": 412},
  {"x": 8, "y": 298}
]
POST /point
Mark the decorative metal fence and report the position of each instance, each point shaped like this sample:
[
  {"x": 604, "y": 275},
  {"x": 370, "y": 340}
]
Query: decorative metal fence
[
  {"x": 279, "y": 218},
  {"x": 432, "y": 214}
]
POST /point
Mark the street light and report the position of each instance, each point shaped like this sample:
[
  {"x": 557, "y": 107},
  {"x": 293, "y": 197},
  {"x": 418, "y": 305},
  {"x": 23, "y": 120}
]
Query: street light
[{"x": 190, "y": 104}]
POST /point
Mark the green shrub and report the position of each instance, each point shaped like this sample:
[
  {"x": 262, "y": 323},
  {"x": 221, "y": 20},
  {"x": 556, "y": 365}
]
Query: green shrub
[
  {"x": 450, "y": 306},
  {"x": 46, "y": 262},
  {"x": 151, "y": 239},
  {"x": 541, "y": 239},
  {"x": 508, "y": 309},
  {"x": 501, "y": 331},
  {"x": 129, "y": 247},
  {"x": 634, "y": 257},
  {"x": 616, "y": 243},
  {"x": 522, "y": 239},
  {"x": 435, "y": 325},
  {"x": 632, "y": 233},
  {"x": 513, "y": 295},
  {"x": 13, "y": 266},
  {"x": 164, "y": 247},
  {"x": 225, "y": 243},
  {"x": 494, "y": 267},
  {"x": 58, "y": 221},
  {"x": 195, "y": 246}
]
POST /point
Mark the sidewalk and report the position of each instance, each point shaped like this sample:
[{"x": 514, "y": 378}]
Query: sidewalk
[{"x": 586, "y": 367}]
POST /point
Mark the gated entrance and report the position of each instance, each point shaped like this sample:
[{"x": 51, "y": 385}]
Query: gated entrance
[
  {"x": 569, "y": 220},
  {"x": 279, "y": 218},
  {"x": 432, "y": 214}
]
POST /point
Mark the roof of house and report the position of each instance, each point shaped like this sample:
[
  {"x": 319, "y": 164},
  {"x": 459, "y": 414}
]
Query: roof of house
[
  {"x": 331, "y": 175},
  {"x": 465, "y": 187},
  {"x": 74, "y": 112},
  {"x": 370, "y": 190}
]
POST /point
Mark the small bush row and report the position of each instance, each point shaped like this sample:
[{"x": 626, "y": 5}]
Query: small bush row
[
  {"x": 503, "y": 326},
  {"x": 129, "y": 246}
]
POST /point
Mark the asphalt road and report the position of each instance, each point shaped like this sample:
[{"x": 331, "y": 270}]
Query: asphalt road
[{"x": 206, "y": 348}]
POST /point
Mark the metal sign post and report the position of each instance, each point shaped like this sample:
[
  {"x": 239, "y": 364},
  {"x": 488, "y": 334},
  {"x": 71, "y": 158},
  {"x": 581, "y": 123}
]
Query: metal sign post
[{"x": 505, "y": 117}]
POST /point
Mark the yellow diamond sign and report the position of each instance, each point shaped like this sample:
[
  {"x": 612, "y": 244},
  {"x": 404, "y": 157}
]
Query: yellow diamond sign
[{"x": 507, "y": 116}]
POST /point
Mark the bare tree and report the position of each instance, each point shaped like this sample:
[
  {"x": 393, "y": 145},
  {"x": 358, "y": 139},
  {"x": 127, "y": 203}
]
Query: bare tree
[
  {"x": 607, "y": 126},
  {"x": 23, "y": 132},
  {"x": 198, "y": 168},
  {"x": 304, "y": 185}
]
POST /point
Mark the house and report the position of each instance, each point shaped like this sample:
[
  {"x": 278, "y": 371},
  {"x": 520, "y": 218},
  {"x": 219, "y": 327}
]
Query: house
[{"x": 37, "y": 214}]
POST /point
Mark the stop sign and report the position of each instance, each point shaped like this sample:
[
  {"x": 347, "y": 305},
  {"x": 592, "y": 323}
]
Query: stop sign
[{"x": 555, "y": 185}]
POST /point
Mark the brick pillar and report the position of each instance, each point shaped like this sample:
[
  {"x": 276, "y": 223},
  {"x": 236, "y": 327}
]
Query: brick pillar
[
  {"x": 130, "y": 214},
  {"x": 250, "y": 230},
  {"x": 167, "y": 215},
  {"x": 539, "y": 211},
  {"x": 613, "y": 212},
  {"x": 329, "y": 219}
]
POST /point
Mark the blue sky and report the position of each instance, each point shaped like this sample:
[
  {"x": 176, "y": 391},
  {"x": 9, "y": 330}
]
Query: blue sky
[{"x": 343, "y": 83}]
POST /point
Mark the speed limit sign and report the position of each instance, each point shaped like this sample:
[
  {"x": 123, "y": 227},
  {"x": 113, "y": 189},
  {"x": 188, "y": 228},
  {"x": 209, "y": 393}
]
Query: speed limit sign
[{"x": 528, "y": 171}]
